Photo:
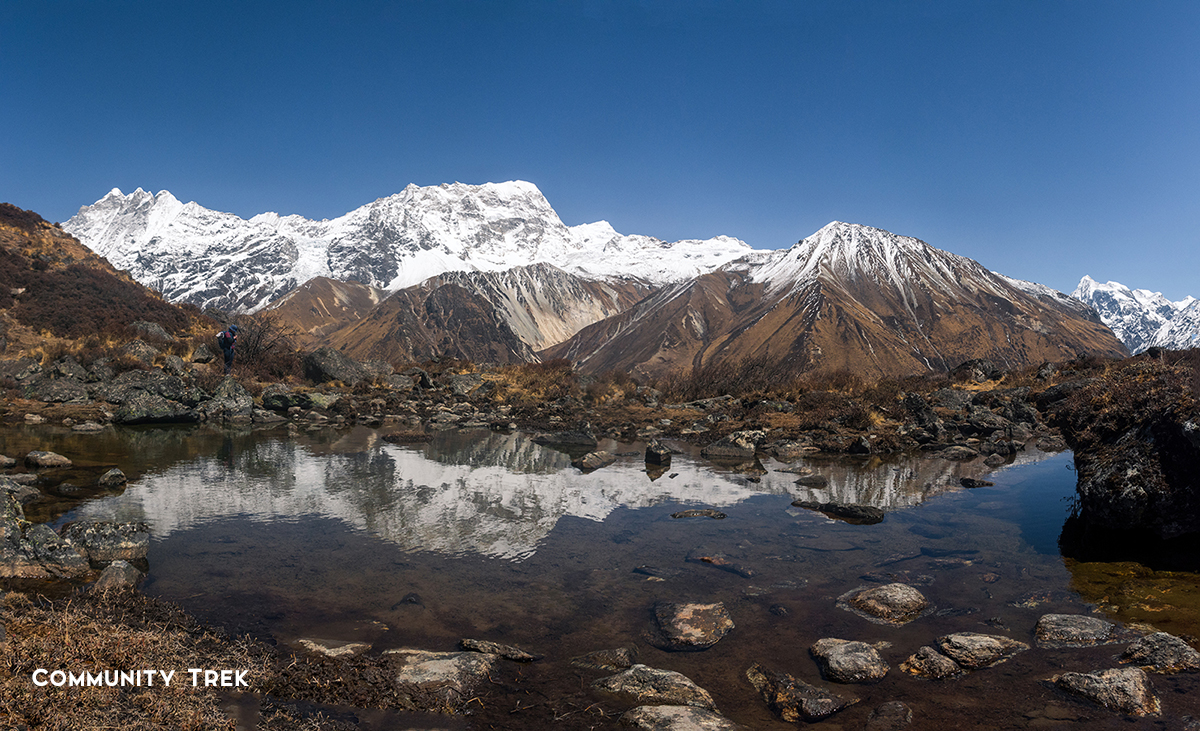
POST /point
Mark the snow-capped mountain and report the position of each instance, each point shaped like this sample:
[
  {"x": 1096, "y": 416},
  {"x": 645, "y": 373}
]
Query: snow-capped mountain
[
  {"x": 208, "y": 258},
  {"x": 1141, "y": 318},
  {"x": 848, "y": 297}
]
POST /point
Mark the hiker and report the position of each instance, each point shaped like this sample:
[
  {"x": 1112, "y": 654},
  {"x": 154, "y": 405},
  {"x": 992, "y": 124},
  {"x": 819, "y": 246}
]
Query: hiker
[{"x": 227, "y": 339}]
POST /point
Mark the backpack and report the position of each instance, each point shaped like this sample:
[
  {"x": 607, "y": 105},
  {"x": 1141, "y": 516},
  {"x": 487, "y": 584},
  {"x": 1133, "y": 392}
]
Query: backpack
[{"x": 225, "y": 340}]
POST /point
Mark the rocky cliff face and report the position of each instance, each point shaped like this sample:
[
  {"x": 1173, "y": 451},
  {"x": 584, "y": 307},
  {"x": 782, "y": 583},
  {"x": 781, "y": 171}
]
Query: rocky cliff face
[{"x": 849, "y": 297}]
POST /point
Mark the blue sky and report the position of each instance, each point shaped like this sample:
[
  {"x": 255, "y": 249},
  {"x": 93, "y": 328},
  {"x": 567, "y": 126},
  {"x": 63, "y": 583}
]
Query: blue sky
[{"x": 1045, "y": 139}]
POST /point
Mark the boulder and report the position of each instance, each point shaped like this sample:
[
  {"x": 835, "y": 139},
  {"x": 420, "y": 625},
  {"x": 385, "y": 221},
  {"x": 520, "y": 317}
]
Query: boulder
[
  {"x": 894, "y": 603},
  {"x": 230, "y": 402},
  {"x": 574, "y": 438},
  {"x": 175, "y": 366},
  {"x": 1162, "y": 653},
  {"x": 22, "y": 493},
  {"x": 593, "y": 461},
  {"x": 1127, "y": 690},
  {"x": 691, "y": 627},
  {"x": 7, "y": 462},
  {"x": 104, "y": 542},
  {"x": 118, "y": 575},
  {"x": 846, "y": 661},
  {"x": 327, "y": 364},
  {"x": 418, "y": 376},
  {"x": 739, "y": 445},
  {"x": 58, "y": 390},
  {"x": 114, "y": 478},
  {"x": 203, "y": 354},
  {"x": 38, "y": 459},
  {"x": 20, "y": 369},
  {"x": 36, "y": 551},
  {"x": 140, "y": 350},
  {"x": 448, "y": 678},
  {"x": 657, "y": 454},
  {"x": 972, "y": 650},
  {"x": 279, "y": 397},
  {"x": 88, "y": 427},
  {"x": 642, "y": 684},
  {"x": 854, "y": 514},
  {"x": 508, "y": 652},
  {"x": 461, "y": 384},
  {"x": 792, "y": 699},
  {"x": 677, "y": 718},
  {"x": 1073, "y": 630},
  {"x": 929, "y": 663},
  {"x": 143, "y": 407}
]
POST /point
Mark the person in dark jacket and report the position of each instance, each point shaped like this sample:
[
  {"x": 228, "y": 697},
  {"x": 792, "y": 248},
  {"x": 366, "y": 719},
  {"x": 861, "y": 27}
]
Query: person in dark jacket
[{"x": 227, "y": 339}]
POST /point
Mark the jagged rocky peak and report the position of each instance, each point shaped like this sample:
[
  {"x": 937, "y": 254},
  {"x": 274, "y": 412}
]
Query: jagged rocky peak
[{"x": 1141, "y": 318}]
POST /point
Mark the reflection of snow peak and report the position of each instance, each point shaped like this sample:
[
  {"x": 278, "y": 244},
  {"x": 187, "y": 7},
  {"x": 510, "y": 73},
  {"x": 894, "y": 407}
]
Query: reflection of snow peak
[{"x": 492, "y": 494}]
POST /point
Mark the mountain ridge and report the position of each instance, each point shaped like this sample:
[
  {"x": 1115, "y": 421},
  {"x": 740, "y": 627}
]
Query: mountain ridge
[{"x": 1141, "y": 318}]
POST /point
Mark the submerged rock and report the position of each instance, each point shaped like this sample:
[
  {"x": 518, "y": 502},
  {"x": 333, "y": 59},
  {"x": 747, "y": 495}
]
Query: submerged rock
[
  {"x": 112, "y": 479},
  {"x": 699, "y": 513},
  {"x": 891, "y": 716},
  {"x": 1162, "y": 653},
  {"x": 448, "y": 677},
  {"x": 690, "y": 627},
  {"x": 855, "y": 514},
  {"x": 618, "y": 659},
  {"x": 333, "y": 648},
  {"x": 972, "y": 650},
  {"x": 1127, "y": 690},
  {"x": 889, "y": 604},
  {"x": 508, "y": 652},
  {"x": 792, "y": 699},
  {"x": 677, "y": 718},
  {"x": 1073, "y": 630},
  {"x": 643, "y": 684},
  {"x": 38, "y": 459},
  {"x": 846, "y": 661}
]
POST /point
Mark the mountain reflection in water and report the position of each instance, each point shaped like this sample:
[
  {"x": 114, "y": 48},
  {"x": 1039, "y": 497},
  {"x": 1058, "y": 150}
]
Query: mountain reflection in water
[{"x": 477, "y": 492}]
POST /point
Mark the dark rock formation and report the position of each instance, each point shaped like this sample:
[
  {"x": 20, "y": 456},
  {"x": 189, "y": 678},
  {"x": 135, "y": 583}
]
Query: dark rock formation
[
  {"x": 1162, "y": 653},
  {"x": 593, "y": 461},
  {"x": 846, "y": 661},
  {"x": 1074, "y": 630},
  {"x": 856, "y": 514},
  {"x": 327, "y": 364},
  {"x": 792, "y": 699},
  {"x": 1127, "y": 690}
]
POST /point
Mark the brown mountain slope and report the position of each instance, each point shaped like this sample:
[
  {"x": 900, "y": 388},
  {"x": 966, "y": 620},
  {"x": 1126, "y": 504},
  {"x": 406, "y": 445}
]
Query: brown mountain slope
[
  {"x": 849, "y": 297},
  {"x": 49, "y": 282},
  {"x": 322, "y": 305}
]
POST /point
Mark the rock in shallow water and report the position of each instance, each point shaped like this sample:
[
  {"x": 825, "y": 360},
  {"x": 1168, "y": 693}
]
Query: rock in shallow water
[
  {"x": 691, "y": 626},
  {"x": 1127, "y": 690},
  {"x": 1162, "y": 653},
  {"x": 1073, "y": 630},
  {"x": 643, "y": 684},
  {"x": 972, "y": 650},
  {"x": 929, "y": 663},
  {"x": 792, "y": 699},
  {"x": 890, "y": 604},
  {"x": 677, "y": 718},
  {"x": 845, "y": 661}
]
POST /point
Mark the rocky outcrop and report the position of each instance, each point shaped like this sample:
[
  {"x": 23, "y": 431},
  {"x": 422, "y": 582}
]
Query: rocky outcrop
[
  {"x": 119, "y": 575},
  {"x": 29, "y": 551},
  {"x": 327, "y": 364},
  {"x": 230, "y": 402},
  {"x": 104, "y": 542},
  {"x": 1136, "y": 437}
]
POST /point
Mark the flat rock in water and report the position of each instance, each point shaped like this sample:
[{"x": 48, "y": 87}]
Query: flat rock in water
[
  {"x": 792, "y": 699},
  {"x": 813, "y": 481},
  {"x": 690, "y": 627},
  {"x": 973, "y": 650},
  {"x": 1073, "y": 630},
  {"x": 333, "y": 648},
  {"x": 508, "y": 652},
  {"x": 593, "y": 461},
  {"x": 677, "y": 718},
  {"x": 1162, "y": 653},
  {"x": 38, "y": 459},
  {"x": 621, "y": 658},
  {"x": 891, "y": 716},
  {"x": 847, "y": 661},
  {"x": 856, "y": 514},
  {"x": 888, "y": 604},
  {"x": 929, "y": 663},
  {"x": 657, "y": 454},
  {"x": 448, "y": 677},
  {"x": 721, "y": 561},
  {"x": 699, "y": 513},
  {"x": 1127, "y": 690},
  {"x": 643, "y": 684}
]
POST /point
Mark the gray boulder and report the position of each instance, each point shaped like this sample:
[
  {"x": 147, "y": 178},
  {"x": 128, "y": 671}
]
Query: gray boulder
[
  {"x": 1073, "y": 630},
  {"x": 20, "y": 369},
  {"x": 1162, "y": 653},
  {"x": 888, "y": 604},
  {"x": 846, "y": 661},
  {"x": 446, "y": 678},
  {"x": 677, "y": 718},
  {"x": 279, "y": 397},
  {"x": 461, "y": 384},
  {"x": 203, "y": 354},
  {"x": 328, "y": 364},
  {"x": 152, "y": 331},
  {"x": 58, "y": 390},
  {"x": 929, "y": 663},
  {"x": 593, "y": 461},
  {"x": 972, "y": 650},
  {"x": 230, "y": 402},
  {"x": 39, "y": 459},
  {"x": 144, "y": 407},
  {"x": 7, "y": 462},
  {"x": 140, "y": 350},
  {"x": 642, "y": 684},
  {"x": 740, "y": 445},
  {"x": 112, "y": 479},
  {"x": 1127, "y": 690},
  {"x": 104, "y": 542},
  {"x": 119, "y": 575}
]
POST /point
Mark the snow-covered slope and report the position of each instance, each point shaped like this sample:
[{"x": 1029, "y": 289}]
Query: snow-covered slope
[
  {"x": 208, "y": 258},
  {"x": 1141, "y": 318}
]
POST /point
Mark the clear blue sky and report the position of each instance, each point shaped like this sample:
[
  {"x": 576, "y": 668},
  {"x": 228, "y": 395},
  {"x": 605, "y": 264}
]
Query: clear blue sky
[{"x": 1045, "y": 139}]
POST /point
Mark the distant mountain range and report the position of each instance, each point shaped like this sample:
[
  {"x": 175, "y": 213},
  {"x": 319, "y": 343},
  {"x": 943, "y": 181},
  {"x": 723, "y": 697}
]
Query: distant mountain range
[
  {"x": 1141, "y": 318},
  {"x": 491, "y": 273},
  {"x": 848, "y": 297},
  {"x": 212, "y": 259}
]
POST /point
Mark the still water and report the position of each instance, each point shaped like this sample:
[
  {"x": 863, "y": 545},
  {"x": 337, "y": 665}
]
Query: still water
[{"x": 339, "y": 535}]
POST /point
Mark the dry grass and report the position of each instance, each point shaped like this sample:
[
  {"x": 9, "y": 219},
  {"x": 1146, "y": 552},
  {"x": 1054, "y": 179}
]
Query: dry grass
[
  {"x": 535, "y": 382},
  {"x": 117, "y": 631}
]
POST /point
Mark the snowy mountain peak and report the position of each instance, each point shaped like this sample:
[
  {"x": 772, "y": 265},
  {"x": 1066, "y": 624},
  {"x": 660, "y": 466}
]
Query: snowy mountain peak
[
  {"x": 1139, "y": 317},
  {"x": 214, "y": 259}
]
